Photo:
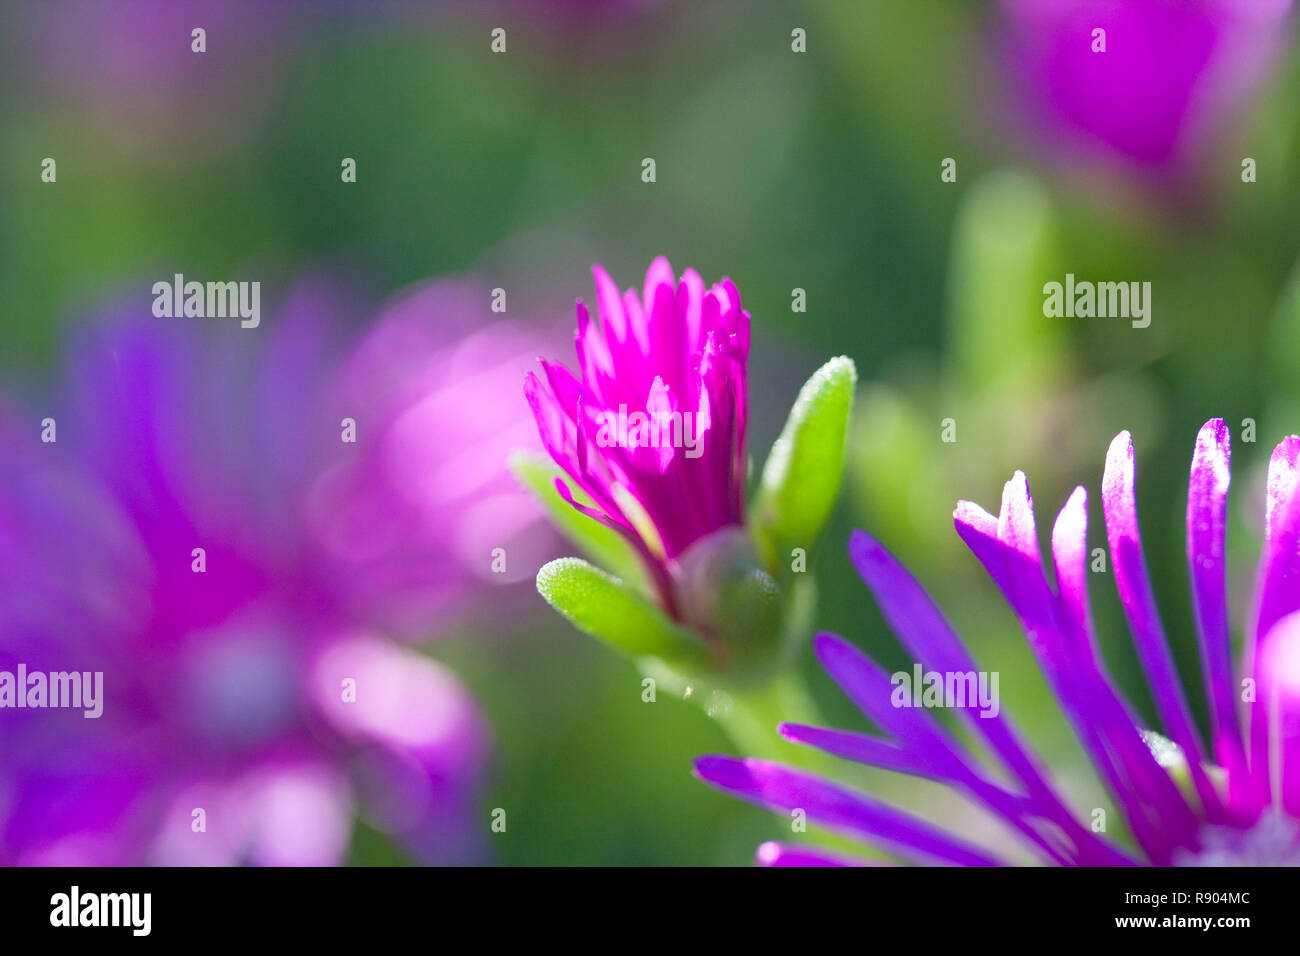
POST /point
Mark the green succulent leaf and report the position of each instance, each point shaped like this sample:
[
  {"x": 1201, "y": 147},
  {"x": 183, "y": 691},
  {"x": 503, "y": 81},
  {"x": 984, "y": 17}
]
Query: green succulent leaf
[
  {"x": 801, "y": 478},
  {"x": 601, "y": 605},
  {"x": 602, "y": 544}
]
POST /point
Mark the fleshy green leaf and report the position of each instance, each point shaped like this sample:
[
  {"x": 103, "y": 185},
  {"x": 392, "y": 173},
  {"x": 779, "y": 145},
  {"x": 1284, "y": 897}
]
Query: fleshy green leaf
[
  {"x": 602, "y": 544},
  {"x": 801, "y": 478},
  {"x": 603, "y": 606}
]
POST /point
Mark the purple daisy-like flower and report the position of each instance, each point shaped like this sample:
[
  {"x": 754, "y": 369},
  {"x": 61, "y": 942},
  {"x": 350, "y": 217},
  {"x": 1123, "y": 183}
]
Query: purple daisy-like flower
[
  {"x": 1169, "y": 76},
  {"x": 654, "y": 430},
  {"x": 157, "y": 534},
  {"x": 1180, "y": 809}
]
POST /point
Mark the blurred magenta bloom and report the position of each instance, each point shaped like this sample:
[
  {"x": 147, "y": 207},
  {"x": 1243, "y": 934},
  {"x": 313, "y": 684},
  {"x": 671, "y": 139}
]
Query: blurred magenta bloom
[
  {"x": 413, "y": 519},
  {"x": 654, "y": 431},
  {"x": 249, "y": 709},
  {"x": 1173, "y": 74},
  {"x": 1179, "y": 809}
]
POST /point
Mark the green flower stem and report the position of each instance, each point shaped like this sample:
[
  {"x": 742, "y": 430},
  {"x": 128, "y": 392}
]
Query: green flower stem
[
  {"x": 751, "y": 722},
  {"x": 756, "y": 710}
]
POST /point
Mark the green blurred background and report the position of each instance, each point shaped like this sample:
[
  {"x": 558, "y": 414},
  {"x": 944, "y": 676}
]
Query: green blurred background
[{"x": 818, "y": 171}]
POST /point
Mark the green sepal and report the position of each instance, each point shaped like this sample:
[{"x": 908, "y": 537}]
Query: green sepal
[
  {"x": 801, "y": 479},
  {"x": 606, "y": 608}
]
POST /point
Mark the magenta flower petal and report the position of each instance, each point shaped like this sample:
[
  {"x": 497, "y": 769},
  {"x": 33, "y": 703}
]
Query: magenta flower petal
[
  {"x": 1151, "y": 801},
  {"x": 83, "y": 806},
  {"x": 978, "y": 530},
  {"x": 862, "y": 748},
  {"x": 299, "y": 814},
  {"x": 874, "y": 752},
  {"x": 1070, "y": 557},
  {"x": 1279, "y": 671},
  {"x": 415, "y": 729},
  {"x": 869, "y": 687},
  {"x": 930, "y": 639},
  {"x": 287, "y": 809},
  {"x": 1207, "y": 513},
  {"x": 1277, "y": 594},
  {"x": 782, "y": 788},
  {"x": 1119, "y": 504},
  {"x": 1099, "y": 717},
  {"x": 785, "y": 854},
  {"x": 1283, "y": 474},
  {"x": 925, "y": 747},
  {"x": 1173, "y": 73}
]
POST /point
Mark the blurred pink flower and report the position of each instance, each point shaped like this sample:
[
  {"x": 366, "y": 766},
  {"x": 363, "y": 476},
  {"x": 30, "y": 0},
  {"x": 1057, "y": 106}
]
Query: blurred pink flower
[
  {"x": 414, "y": 519},
  {"x": 1173, "y": 74}
]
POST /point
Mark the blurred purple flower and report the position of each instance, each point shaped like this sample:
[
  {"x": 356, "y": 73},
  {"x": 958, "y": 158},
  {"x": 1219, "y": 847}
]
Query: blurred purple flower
[
  {"x": 226, "y": 691},
  {"x": 654, "y": 432},
  {"x": 1179, "y": 809},
  {"x": 1172, "y": 74}
]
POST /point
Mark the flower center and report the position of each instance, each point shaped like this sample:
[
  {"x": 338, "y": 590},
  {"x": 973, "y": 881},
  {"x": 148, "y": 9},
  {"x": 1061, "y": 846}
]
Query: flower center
[
  {"x": 240, "y": 687},
  {"x": 1273, "y": 841}
]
